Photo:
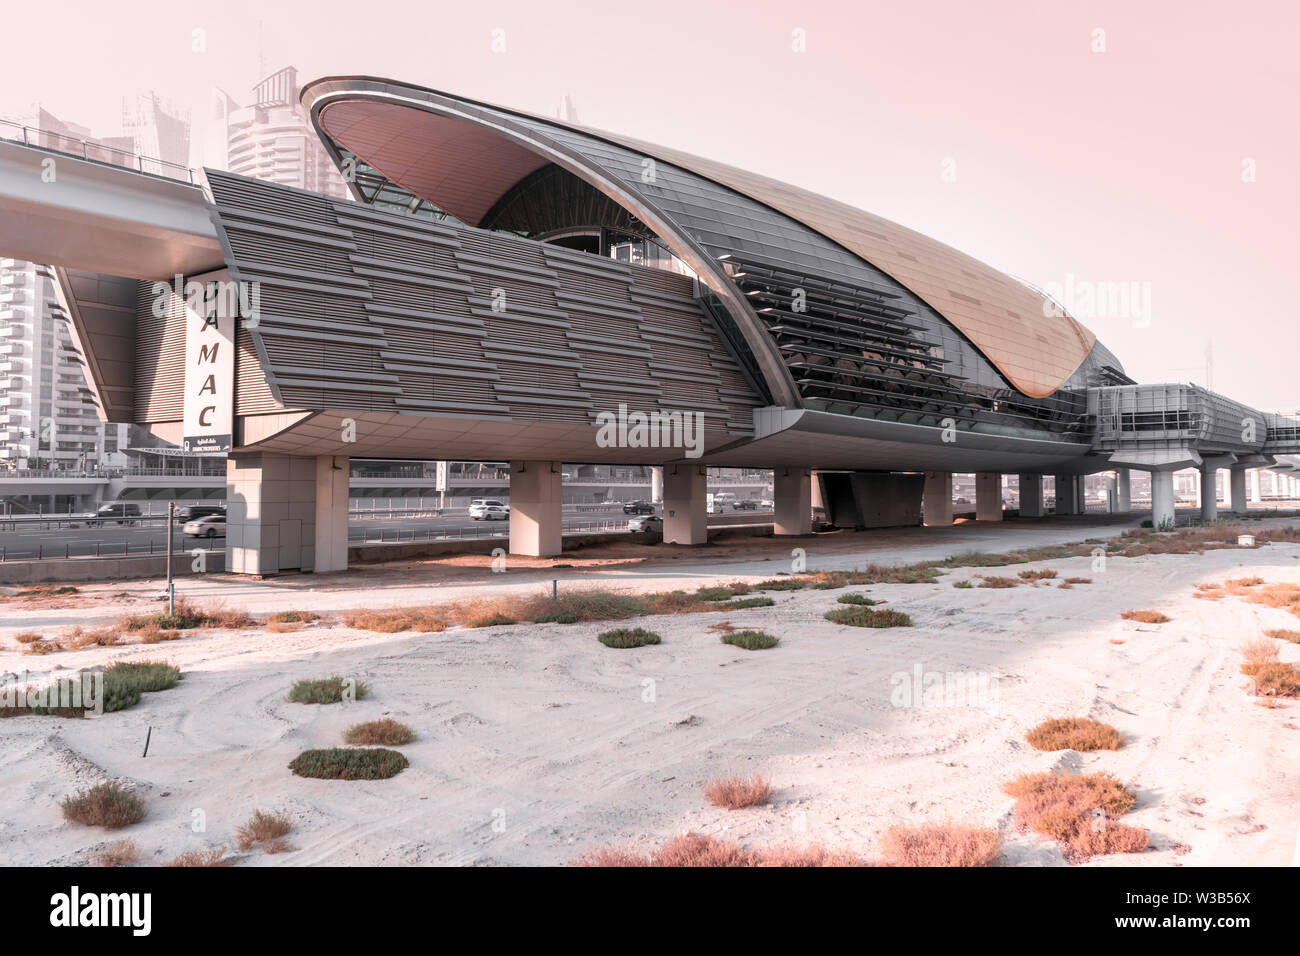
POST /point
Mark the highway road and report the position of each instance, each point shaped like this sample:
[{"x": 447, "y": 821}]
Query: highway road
[{"x": 149, "y": 536}]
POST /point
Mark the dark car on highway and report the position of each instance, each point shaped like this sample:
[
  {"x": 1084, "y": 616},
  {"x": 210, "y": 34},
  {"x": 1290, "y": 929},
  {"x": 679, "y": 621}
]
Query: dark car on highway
[
  {"x": 744, "y": 504},
  {"x": 638, "y": 508},
  {"x": 195, "y": 512},
  {"x": 121, "y": 513}
]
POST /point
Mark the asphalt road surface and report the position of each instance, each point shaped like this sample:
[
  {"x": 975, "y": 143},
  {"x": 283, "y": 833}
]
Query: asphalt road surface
[{"x": 48, "y": 540}]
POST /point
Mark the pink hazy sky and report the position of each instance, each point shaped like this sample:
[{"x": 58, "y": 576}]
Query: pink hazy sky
[{"x": 1120, "y": 166}]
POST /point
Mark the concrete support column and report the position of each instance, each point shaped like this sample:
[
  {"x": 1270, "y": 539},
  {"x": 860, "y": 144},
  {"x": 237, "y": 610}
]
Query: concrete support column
[
  {"x": 988, "y": 496},
  {"x": 1162, "y": 499},
  {"x": 1255, "y": 495},
  {"x": 1123, "y": 491},
  {"x": 331, "y": 551},
  {"x": 1031, "y": 496},
  {"x": 1237, "y": 490},
  {"x": 936, "y": 504},
  {"x": 271, "y": 513},
  {"x": 686, "y": 504},
  {"x": 1067, "y": 495},
  {"x": 791, "y": 501},
  {"x": 1209, "y": 480},
  {"x": 536, "y": 508},
  {"x": 656, "y": 484},
  {"x": 1080, "y": 494}
]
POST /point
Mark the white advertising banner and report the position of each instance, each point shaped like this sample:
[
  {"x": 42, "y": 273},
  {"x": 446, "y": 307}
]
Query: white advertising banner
[{"x": 211, "y": 310}]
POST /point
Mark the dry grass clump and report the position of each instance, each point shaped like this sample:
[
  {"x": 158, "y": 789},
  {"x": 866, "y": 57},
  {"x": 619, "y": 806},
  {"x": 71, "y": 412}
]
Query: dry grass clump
[
  {"x": 1077, "y": 810},
  {"x": 734, "y": 792},
  {"x": 1235, "y": 583},
  {"x": 28, "y": 637},
  {"x": 1074, "y": 733},
  {"x": 1078, "y": 580},
  {"x": 994, "y": 581},
  {"x": 781, "y": 584},
  {"x": 924, "y": 572},
  {"x": 39, "y": 594},
  {"x": 940, "y": 844},
  {"x": 40, "y": 648},
  {"x": 1272, "y": 677},
  {"x": 386, "y": 732},
  {"x": 723, "y": 592},
  {"x": 187, "y": 615},
  {"x": 156, "y": 635},
  {"x": 858, "y": 616},
  {"x": 118, "y": 853},
  {"x": 1282, "y": 634},
  {"x": 859, "y": 599},
  {"x": 1282, "y": 596},
  {"x": 263, "y": 828},
  {"x": 213, "y": 857},
  {"x": 1042, "y": 574},
  {"x": 697, "y": 849},
  {"x": 79, "y": 637},
  {"x": 427, "y": 620},
  {"x": 107, "y": 805},
  {"x": 277, "y": 627},
  {"x": 1145, "y": 617}
]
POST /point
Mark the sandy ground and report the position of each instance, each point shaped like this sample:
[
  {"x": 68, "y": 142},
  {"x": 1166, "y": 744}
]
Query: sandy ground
[{"x": 536, "y": 742}]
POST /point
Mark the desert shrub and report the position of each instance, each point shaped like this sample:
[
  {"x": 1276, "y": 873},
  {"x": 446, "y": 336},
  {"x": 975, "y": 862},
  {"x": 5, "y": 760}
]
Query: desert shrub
[
  {"x": 1284, "y": 635},
  {"x": 994, "y": 581},
  {"x": 781, "y": 584},
  {"x": 1077, "y": 810},
  {"x": 1273, "y": 678},
  {"x": 627, "y": 637},
  {"x": 697, "y": 849},
  {"x": 328, "y": 690},
  {"x": 1039, "y": 574},
  {"x": 156, "y": 635},
  {"x": 859, "y": 599},
  {"x": 750, "y": 640},
  {"x": 293, "y": 617},
  {"x": 748, "y": 602},
  {"x": 213, "y": 857},
  {"x": 1145, "y": 617},
  {"x": 388, "y": 732},
  {"x": 80, "y": 637},
  {"x": 964, "y": 583},
  {"x": 187, "y": 615},
  {"x": 118, "y": 853},
  {"x": 557, "y": 617},
  {"x": 41, "y": 648},
  {"x": 494, "y": 620},
  {"x": 734, "y": 792},
  {"x": 1078, "y": 580},
  {"x": 27, "y": 637},
  {"x": 1074, "y": 733},
  {"x": 867, "y": 617},
  {"x": 722, "y": 593},
  {"x": 107, "y": 805},
  {"x": 1243, "y": 582},
  {"x": 371, "y": 763},
  {"x": 393, "y": 620},
  {"x": 940, "y": 844},
  {"x": 263, "y": 828}
]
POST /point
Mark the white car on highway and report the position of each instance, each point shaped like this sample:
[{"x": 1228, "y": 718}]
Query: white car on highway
[
  {"x": 492, "y": 512},
  {"x": 209, "y": 526},
  {"x": 479, "y": 506},
  {"x": 646, "y": 523}
]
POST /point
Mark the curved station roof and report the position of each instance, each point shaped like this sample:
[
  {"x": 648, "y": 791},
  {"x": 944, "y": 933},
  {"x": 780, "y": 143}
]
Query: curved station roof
[{"x": 464, "y": 157}]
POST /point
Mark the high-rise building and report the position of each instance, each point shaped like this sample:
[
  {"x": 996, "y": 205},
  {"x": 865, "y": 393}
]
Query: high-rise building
[
  {"x": 48, "y": 418},
  {"x": 272, "y": 138}
]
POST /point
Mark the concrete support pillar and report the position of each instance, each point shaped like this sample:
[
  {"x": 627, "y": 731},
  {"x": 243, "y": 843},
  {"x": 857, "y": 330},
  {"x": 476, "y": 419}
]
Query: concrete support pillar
[
  {"x": 1123, "y": 491},
  {"x": 536, "y": 508},
  {"x": 1080, "y": 494},
  {"x": 656, "y": 484},
  {"x": 1209, "y": 479},
  {"x": 686, "y": 504},
  {"x": 937, "y": 501},
  {"x": 1031, "y": 496},
  {"x": 331, "y": 551},
  {"x": 1067, "y": 495},
  {"x": 791, "y": 501},
  {"x": 988, "y": 496},
  {"x": 1255, "y": 495},
  {"x": 271, "y": 513},
  {"x": 1237, "y": 490},
  {"x": 1162, "y": 499}
]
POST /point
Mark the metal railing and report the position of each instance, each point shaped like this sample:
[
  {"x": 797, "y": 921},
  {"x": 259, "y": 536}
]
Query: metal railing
[{"x": 93, "y": 152}]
